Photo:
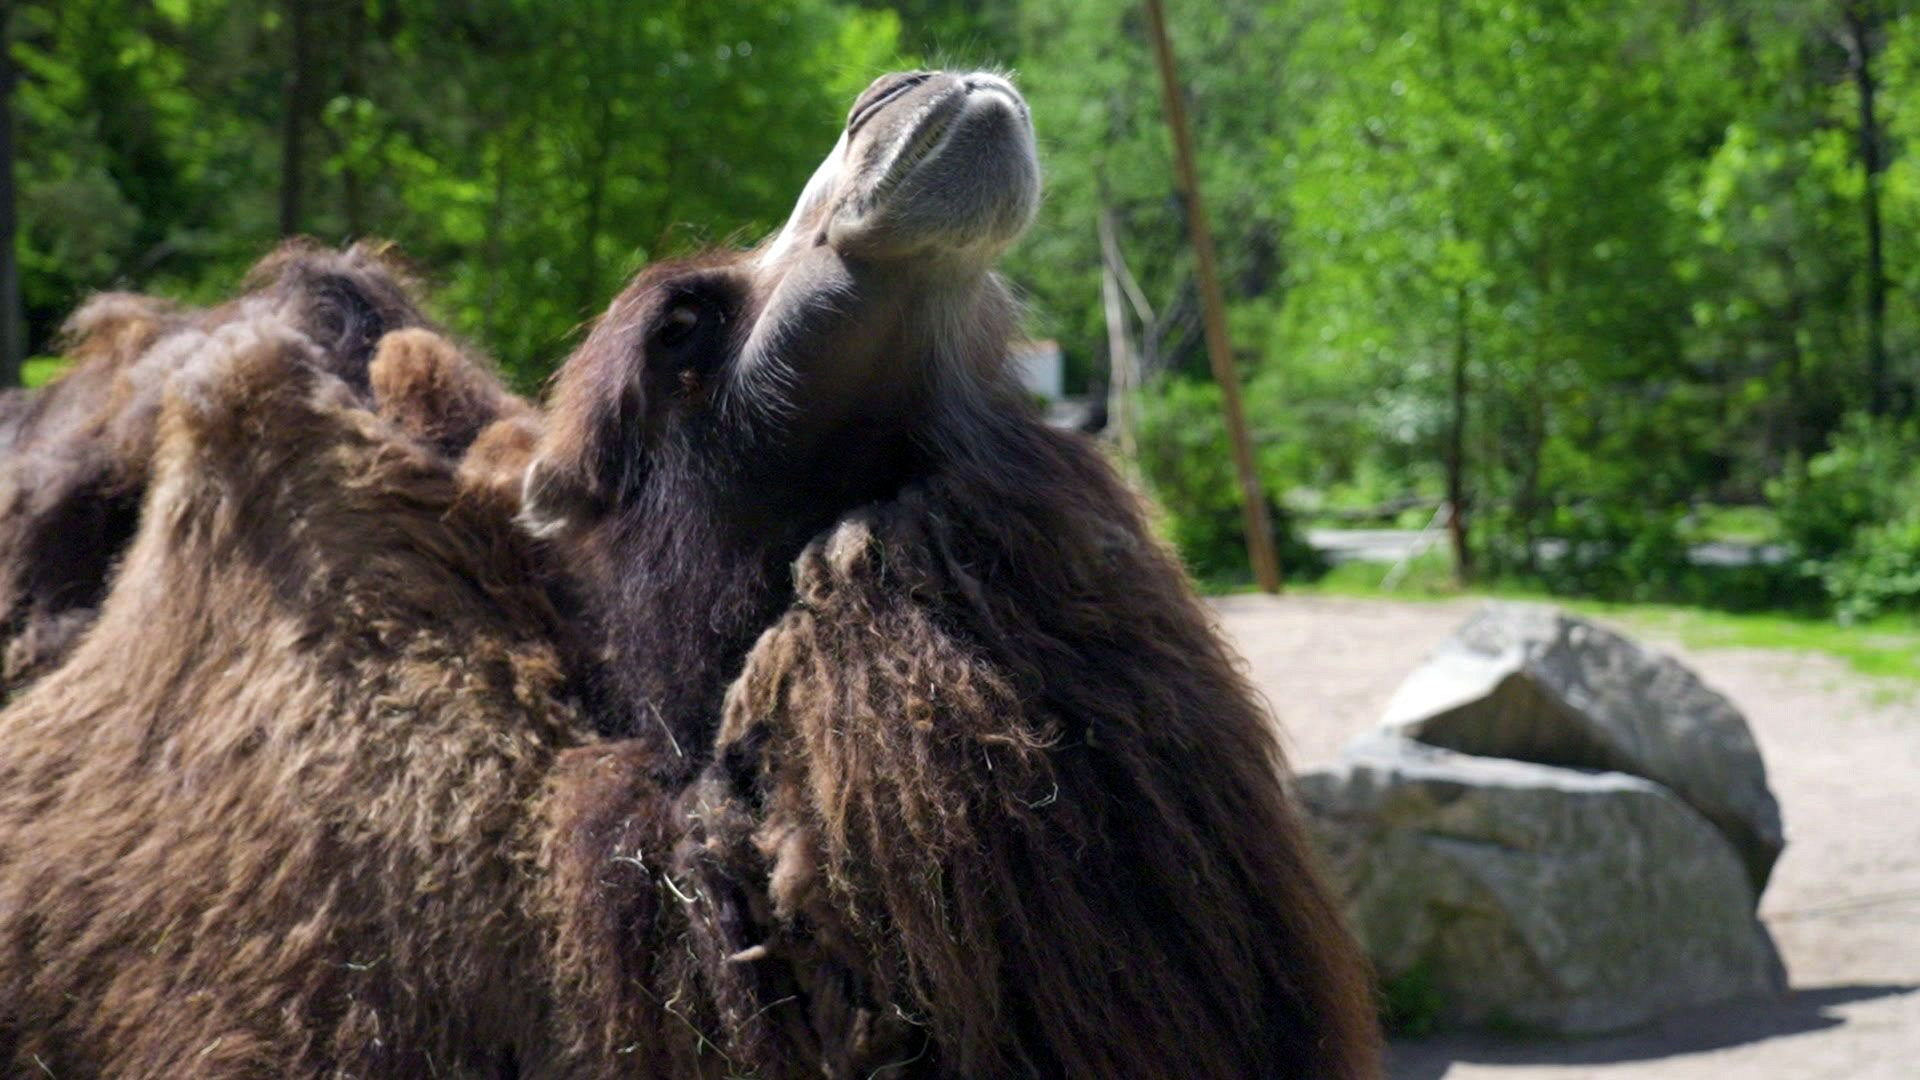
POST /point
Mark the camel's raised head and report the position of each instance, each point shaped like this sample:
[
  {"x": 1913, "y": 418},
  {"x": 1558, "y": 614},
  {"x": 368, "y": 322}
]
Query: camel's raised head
[
  {"x": 932, "y": 165},
  {"x": 727, "y": 408},
  {"x": 786, "y": 380}
]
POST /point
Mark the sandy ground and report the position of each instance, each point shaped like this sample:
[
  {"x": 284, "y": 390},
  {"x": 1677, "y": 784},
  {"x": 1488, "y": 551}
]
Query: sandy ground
[{"x": 1843, "y": 754}]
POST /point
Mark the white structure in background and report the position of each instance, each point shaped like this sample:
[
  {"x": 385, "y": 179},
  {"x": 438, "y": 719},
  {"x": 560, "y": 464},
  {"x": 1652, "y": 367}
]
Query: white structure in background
[{"x": 1043, "y": 370}]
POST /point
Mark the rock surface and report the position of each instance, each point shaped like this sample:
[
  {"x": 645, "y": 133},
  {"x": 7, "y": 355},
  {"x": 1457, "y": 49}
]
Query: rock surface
[
  {"x": 1548, "y": 898},
  {"x": 1532, "y": 683}
]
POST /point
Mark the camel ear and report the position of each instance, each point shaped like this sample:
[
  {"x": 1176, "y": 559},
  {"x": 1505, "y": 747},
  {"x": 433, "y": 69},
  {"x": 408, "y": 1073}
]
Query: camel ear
[{"x": 555, "y": 499}]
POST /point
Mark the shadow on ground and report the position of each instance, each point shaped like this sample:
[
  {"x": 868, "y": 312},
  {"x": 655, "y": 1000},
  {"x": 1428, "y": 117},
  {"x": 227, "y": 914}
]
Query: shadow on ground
[{"x": 1695, "y": 1032}]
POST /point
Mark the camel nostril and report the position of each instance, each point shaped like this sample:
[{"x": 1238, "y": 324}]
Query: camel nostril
[
  {"x": 884, "y": 89},
  {"x": 995, "y": 85}
]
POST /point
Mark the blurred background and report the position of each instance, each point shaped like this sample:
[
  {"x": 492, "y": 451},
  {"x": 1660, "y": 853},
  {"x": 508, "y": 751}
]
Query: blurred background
[{"x": 1630, "y": 287}]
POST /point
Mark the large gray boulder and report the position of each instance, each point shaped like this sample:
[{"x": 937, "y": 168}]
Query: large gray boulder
[
  {"x": 1536, "y": 684},
  {"x": 1554, "y": 899}
]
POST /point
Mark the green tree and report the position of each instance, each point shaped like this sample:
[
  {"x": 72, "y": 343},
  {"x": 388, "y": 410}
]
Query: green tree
[
  {"x": 530, "y": 154},
  {"x": 12, "y": 331}
]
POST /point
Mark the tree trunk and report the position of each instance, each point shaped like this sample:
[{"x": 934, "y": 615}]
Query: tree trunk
[
  {"x": 293, "y": 119},
  {"x": 1261, "y": 551},
  {"x": 12, "y": 330},
  {"x": 1457, "y": 443},
  {"x": 1859, "y": 41}
]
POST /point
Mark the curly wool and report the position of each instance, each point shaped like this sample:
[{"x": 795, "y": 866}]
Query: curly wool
[
  {"x": 275, "y": 816},
  {"x": 74, "y": 455},
  {"x": 1013, "y": 807}
]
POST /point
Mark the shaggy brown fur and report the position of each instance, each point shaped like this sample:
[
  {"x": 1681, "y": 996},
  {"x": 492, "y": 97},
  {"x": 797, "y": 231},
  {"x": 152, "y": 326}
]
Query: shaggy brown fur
[
  {"x": 1009, "y": 809},
  {"x": 276, "y": 816},
  {"x": 437, "y": 394},
  {"x": 71, "y": 474},
  {"x": 445, "y": 399},
  {"x": 495, "y": 465},
  {"x": 990, "y": 797},
  {"x": 303, "y": 804},
  {"x": 314, "y": 798},
  {"x": 987, "y": 796},
  {"x": 74, "y": 462}
]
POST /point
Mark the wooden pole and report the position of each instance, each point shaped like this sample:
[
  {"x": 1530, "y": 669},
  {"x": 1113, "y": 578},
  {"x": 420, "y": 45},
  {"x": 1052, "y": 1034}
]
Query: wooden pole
[{"x": 1213, "y": 314}]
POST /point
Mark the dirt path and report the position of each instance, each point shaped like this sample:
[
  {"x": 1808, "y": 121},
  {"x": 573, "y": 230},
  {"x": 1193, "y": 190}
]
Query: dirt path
[{"x": 1843, "y": 754}]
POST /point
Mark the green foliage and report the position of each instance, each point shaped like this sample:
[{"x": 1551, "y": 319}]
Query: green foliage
[
  {"x": 1614, "y": 549},
  {"x": 1634, "y": 231},
  {"x": 1411, "y": 1002},
  {"x": 1184, "y": 459},
  {"x": 1621, "y": 246},
  {"x": 1825, "y": 501},
  {"x": 1852, "y": 515},
  {"x": 1442, "y": 221},
  {"x": 529, "y": 155},
  {"x": 1088, "y": 71},
  {"x": 1739, "y": 524},
  {"x": 38, "y": 371},
  {"x": 1880, "y": 572}
]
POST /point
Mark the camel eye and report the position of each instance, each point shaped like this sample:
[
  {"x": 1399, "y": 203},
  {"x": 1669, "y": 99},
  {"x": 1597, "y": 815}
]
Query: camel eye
[{"x": 677, "y": 326}]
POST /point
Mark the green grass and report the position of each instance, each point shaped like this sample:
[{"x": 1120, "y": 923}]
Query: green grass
[
  {"x": 1429, "y": 577},
  {"x": 39, "y": 370},
  {"x": 1889, "y": 648},
  {"x": 1741, "y": 524}
]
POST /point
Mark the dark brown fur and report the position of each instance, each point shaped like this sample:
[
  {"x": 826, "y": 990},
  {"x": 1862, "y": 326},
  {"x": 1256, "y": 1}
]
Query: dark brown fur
[
  {"x": 895, "y": 744},
  {"x": 276, "y": 815},
  {"x": 495, "y": 465},
  {"x": 436, "y": 393},
  {"x": 998, "y": 778},
  {"x": 694, "y": 506},
  {"x": 75, "y": 456},
  {"x": 314, "y": 798},
  {"x": 71, "y": 475},
  {"x": 990, "y": 797}
]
